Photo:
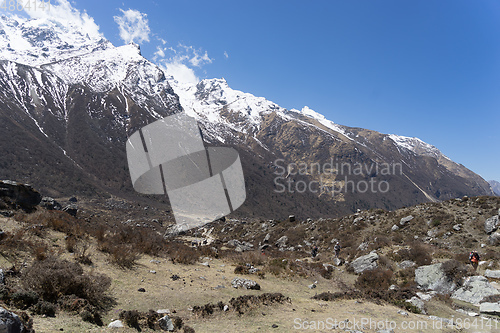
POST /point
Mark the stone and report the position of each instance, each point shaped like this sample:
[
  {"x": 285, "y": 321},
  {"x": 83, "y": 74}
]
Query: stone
[
  {"x": 491, "y": 224},
  {"x": 364, "y": 263},
  {"x": 433, "y": 232},
  {"x": 291, "y": 218},
  {"x": 10, "y": 322},
  {"x": 474, "y": 289},
  {"x": 492, "y": 274},
  {"x": 338, "y": 261},
  {"x": 395, "y": 228},
  {"x": 282, "y": 241},
  {"x": 494, "y": 238},
  {"x": 357, "y": 219},
  {"x": 490, "y": 308},
  {"x": 432, "y": 277},
  {"x": 405, "y": 220},
  {"x": 50, "y": 203},
  {"x": 71, "y": 209},
  {"x": 141, "y": 290},
  {"x": 2, "y": 277},
  {"x": 418, "y": 303},
  {"x": 363, "y": 246},
  {"x": 226, "y": 307},
  {"x": 245, "y": 284},
  {"x": 116, "y": 324},
  {"x": 73, "y": 199},
  {"x": 426, "y": 296},
  {"x": 166, "y": 324},
  {"x": 17, "y": 194},
  {"x": 311, "y": 286},
  {"x": 406, "y": 264},
  {"x": 163, "y": 311},
  {"x": 266, "y": 239},
  {"x": 403, "y": 313},
  {"x": 457, "y": 227}
]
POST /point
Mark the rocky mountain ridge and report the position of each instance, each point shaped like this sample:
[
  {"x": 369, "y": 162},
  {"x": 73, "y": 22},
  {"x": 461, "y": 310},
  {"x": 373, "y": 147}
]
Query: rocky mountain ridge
[{"x": 68, "y": 103}]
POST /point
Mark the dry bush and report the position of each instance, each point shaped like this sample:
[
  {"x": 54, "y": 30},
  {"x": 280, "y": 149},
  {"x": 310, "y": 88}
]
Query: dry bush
[
  {"x": 455, "y": 270},
  {"x": 17, "y": 240},
  {"x": 406, "y": 277},
  {"x": 124, "y": 255},
  {"x": 378, "y": 279},
  {"x": 70, "y": 243},
  {"x": 462, "y": 257},
  {"x": 254, "y": 258},
  {"x": 53, "y": 278},
  {"x": 277, "y": 266},
  {"x": 181, "y": 253}
]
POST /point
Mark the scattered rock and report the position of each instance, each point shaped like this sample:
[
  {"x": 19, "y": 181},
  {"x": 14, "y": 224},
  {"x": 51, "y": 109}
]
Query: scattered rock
[
  {"x": 71, "y": 209},
  {"x": 338, "y": 261},
  {"x": 2, "y": 277},
  {"x": 405, "y": 220},
  {"x": 240, "y": 246},
  {"x": 491, "y": 224},
  {"x": 364, "y": 263},
  {"x": 395, "y": 228},
  {"x": 50, "y": 203},
  {"x": 406, "y": 264},
  {"x": 474, "y": 289},
  {"x": 494, "y": 238},
  {"x": 418, "y": 303},
  {"x": 490, "y": 308},
  {"x": 291, "y": 218},
  {"x": 433, "y": 232},
  {"x": 266, "y": 239},
  {"x": 10, "y": 322},
  {"x": 457, "y": 227},
  {"x": 403, "y": 313},
  {"x": 163, "y": 311},
  {"x": 141, "y": 290},
  {"x": 363, "y": 246},
  {"x": 152, "y": 272},
  {"x": 116, "y": 324},
  {"x": 311, "y": 286},
  {"x": 245, "y": 284},
  {"x": 282, "y": 241},
  {"x": 166, "y": 324},
  {"x": 73, "y": 199},
  {"x": 226, "y": 308},
  {"x": 492, "y": 274},
  {"x": 432, "y": 277}
]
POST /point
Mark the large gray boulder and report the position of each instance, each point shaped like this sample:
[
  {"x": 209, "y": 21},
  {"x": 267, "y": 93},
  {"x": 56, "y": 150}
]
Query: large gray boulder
[
  {"x": 365, "y": 263},
  {"x": 474, "y": 289},
  {"x": 492, "y": 274},
  {"x": 490, "y": 308},
  {"x": 432, "y": 277},
  {"x": 166, "y": 324},
  {"x": 17, "y": 194},
  {"x": 405, "y": 220},
  {"x": 10, "y": 322},
  {"x": 281, "y": 242},
  {"x": 491, "y": 224},
  {"x": 418, "y": 303},
  {"x": 494, "y": 238}
]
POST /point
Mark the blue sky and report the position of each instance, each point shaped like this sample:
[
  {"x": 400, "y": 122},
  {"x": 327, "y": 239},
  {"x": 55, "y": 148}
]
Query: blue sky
[{"x": 429, "y": 69}]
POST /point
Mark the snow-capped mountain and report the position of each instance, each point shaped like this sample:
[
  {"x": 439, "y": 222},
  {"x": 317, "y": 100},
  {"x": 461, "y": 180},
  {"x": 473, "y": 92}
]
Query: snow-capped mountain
[{"x": 69, "y": 101}]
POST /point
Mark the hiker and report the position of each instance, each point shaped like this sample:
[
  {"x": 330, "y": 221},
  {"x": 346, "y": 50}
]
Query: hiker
[
  {"x": 314, "y": 251},
  {"x": 336, "y": 248},
  {"x": 474, "y": 259}
]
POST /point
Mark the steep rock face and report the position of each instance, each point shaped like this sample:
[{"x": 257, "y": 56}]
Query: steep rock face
[{"x": 68, "y": 102}]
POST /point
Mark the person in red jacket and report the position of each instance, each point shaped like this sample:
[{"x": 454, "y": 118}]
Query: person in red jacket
[{"x": 474, "y": 259}]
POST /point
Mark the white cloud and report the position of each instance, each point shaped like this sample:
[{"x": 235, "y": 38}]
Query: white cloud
[
  {"x": 159, "y": 52},
  {"x": 181, "y": 72},
  {"x": 65, "y": 14},
  {"x": 133, "y": 25},
  {"x": 226, "y": 55}
]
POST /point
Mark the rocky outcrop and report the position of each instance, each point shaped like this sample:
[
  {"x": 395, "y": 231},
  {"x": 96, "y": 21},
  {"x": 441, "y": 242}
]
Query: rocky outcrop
[
  {"x": 50, "y": 204},
  {"x": 166, "y": 324},
  {"x": 490, "y": 308},
  {"x": 365, "y": 263},
  {"x": 491, "y": 224},
  {"x": 432, "y": 277},
  {"x": 10, "y": 322},
  {"x": 245, "y": 284},
  {"x": 492, "y": 274},
  {"x": 281, "y": 242},
  {"x": 17, "y": 195},
  {"x": 474, "y": 289}
]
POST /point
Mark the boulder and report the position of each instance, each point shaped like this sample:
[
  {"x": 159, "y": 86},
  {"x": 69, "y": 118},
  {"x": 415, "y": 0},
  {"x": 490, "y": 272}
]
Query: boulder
[
  {"x": 291, "y": 218},
  {"x": 166, "y": 324},
  {"x": 282, "y": 241},
  {"x": 10, "y": 322},
  {"x": 418, "y": 303},
  {"x": 364, "y": 263},
  {"x": 406, "y": 263},
  {"x": 338, "y": 261},
  {"x": 405, "y": 220},
  {"x": 490, "y": 308},
  {"x": 395, "y": 228},
  {"x": 432, "y": 277},
  {"x": 267, "y": 238},
  {"x": 71, "y": 209},
  {"x": 491, "y": 224},
  {"x": 457, "y": 227},
  {"x": 50, "y": 203},
  {"x": 474, "y": 289},
  {"x": 240, "y": 246},
  {"x": 15, "y": 195},
  {"x": 245, "y": 284},
  {"x": 492, "y": 274},
  {"x": 494, "y": 238},
  {"x": 116, "y": 324}
]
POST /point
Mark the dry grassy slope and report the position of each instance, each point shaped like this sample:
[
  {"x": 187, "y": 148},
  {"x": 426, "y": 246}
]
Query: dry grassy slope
[{"x": 164, "y": 293}]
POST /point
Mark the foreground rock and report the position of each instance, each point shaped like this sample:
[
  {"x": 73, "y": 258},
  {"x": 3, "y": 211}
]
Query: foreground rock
[
  {"x": 166, "y": 324},
  {"x": 491, "y": 224},
  {"x": 475, "y": 288},
  {"x": 14, "y": 195},
  {"x": 10, "y": 322},
  {"x": 490, "y": 308},
  {"x": 116, "y": 324},
  {"x": 365, "y": 263},
  {"x": 432, "y": 277},
  {"x": 245, "y": 284},
  {"x": 492, "y": 274}
]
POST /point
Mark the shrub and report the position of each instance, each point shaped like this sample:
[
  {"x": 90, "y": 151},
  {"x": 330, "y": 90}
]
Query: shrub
[
  {"x": 455, "y": 270},
  {"x": 53, "y": 278},
  {"x": 131, "y": 318},
  {"x": 378, "y": 279},
  {"x": 124, "y": 255},
  {"x": 44, "y": 308},
  {"x": 24, "y": 299}
]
